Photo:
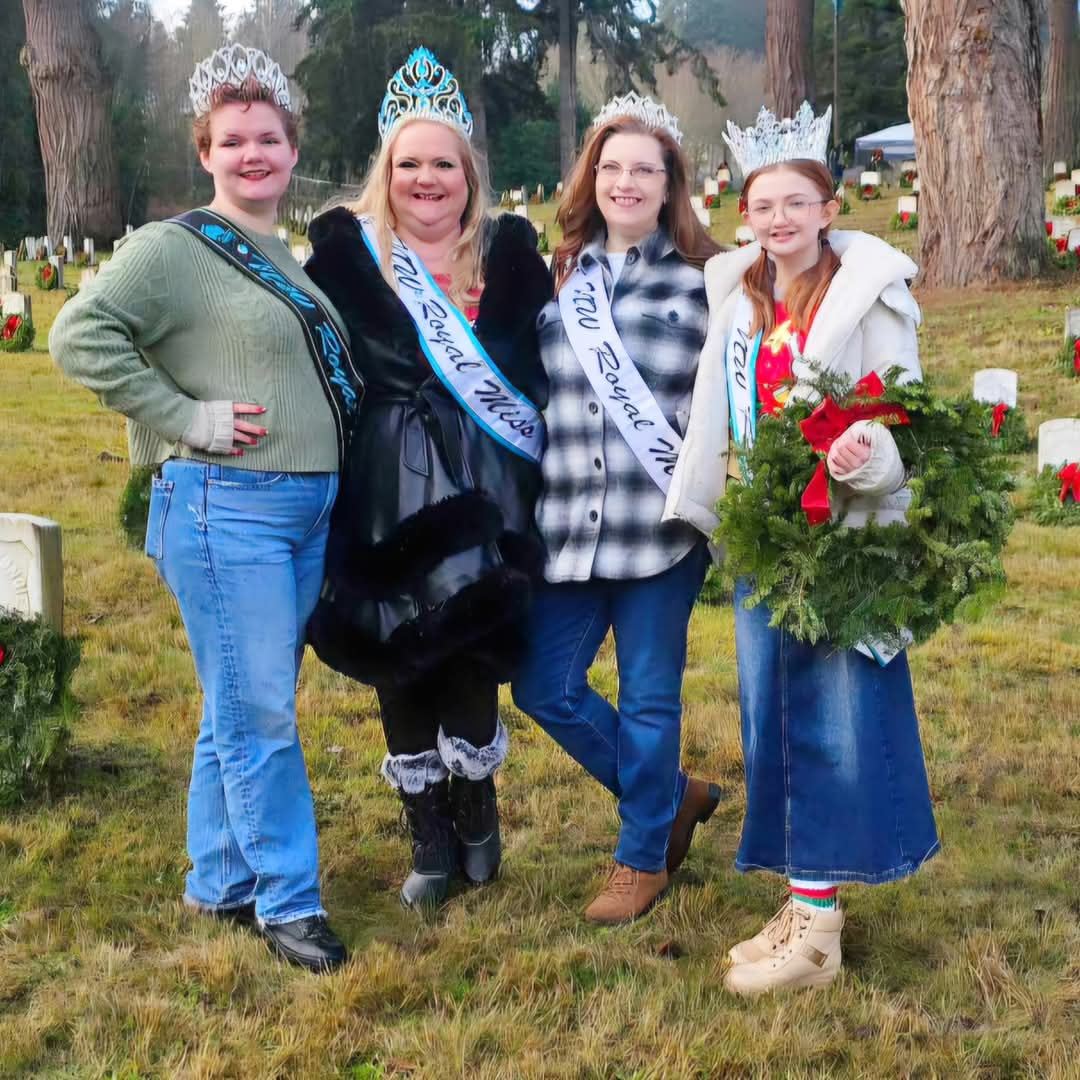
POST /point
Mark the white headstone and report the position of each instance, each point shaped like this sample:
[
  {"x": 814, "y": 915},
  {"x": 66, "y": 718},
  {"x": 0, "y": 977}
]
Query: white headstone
[
  {"x": 17, "y": 303},
  {"x": 1076, "y": 176},
  {"x": 69, "y": 253},
  {"x": 1059, "y": 443},
  {"x": 9, "y": 281},
  {"x": 915, "y": 185},
  {"x": 1060, "y": 169},
  {"x": 517, "y": 195},
  {"x": 704, "y": 217},
  {"x": 58, "y": 266},
  {"x": 88, "y": 250},
  {"x": 1073, "y": 241},
  {"x": 996, "y": 385},
  {"x": 1061, "y": 226},
  {"x": 744, "y": 235},
  {"x": 540, "y": 192},
  {"x": 301, "y": 253},
  {"x": 129, "y": 229},
  {"x": 539, "y": 227},
  {"x": 1064, "y": 189},
  {"x": 521, "y": 210},
  {"x": 283, "y": 234},
  {"x": 48, "y": 246},
  {"x": 870, "y": 179},
  {"x": 697, "y": 202},
  {"x": 88, "y": 275},
  {"x": 10, "y": 260},
  {"x": 559, "y": 188},
  {"x": 31, "y": 245},
  {"x": 909, "y": 166},
  {"x": 723, "y": 175},
  {"x": 907, "y": 204},
  {"x": 32, "y": 568},
  {"x": 712, "y": 187},
  {"x": 1072, "y": 323}
]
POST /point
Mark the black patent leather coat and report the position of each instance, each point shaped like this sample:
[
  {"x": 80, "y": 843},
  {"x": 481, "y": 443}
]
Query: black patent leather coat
[{"x": 432, "y": 548}]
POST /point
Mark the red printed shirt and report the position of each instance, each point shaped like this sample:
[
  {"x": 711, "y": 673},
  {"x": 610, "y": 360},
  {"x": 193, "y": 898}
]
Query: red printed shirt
[
  {"x": 774, "y": 362},
  {"x": 472, "y": 309}
]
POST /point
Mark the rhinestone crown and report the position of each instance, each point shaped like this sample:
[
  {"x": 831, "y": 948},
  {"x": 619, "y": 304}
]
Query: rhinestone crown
[
  {"x": 232, "y": 65},
  {"x": 773, "y": 140},
  {"x": 641, "y": 108}
]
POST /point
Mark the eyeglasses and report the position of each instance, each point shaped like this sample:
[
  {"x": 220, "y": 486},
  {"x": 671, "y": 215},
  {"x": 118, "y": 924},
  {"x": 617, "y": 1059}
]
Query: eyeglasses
[
  {"x": 612, "y": 170},
  {"x": 796, "y": 210}
]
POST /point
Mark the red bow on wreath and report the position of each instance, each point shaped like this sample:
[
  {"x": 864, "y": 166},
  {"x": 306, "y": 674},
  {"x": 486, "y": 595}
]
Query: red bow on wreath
[
  {"x": 1049, "y": 228},
  {"x": 1000, "y": 409},
  {"x": 1076, "y": 356},
  {"x": 1062, "y": 243},
  {"x": 3, "y": 655},
  {"x": 826, "y": 424},
  {"x": 11, "y": 325},
  {"x": 1070, "y": 482}
]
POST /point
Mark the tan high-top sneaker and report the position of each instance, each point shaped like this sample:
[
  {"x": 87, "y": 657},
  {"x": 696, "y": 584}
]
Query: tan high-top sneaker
[
  {"x": 699, "y": 803},
  {"x": 809, "y": 955},
  {"x": 627, "y": 894},
  {"x": 766, "y": 941}
]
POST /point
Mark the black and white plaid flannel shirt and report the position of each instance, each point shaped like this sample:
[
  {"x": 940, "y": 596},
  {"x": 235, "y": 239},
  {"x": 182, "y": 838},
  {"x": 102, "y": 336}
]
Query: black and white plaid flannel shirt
[{"x": 599, "y": 513}]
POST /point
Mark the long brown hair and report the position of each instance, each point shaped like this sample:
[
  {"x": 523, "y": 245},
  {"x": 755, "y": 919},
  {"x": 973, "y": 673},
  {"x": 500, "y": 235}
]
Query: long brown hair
[
  {"x": 808, "y": 289},
  {"x": 580, "y": 217}
]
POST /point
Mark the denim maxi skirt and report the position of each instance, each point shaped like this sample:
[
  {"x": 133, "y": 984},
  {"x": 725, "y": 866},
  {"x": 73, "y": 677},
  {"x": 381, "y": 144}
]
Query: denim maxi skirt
[{"x": 836, "y": 785}]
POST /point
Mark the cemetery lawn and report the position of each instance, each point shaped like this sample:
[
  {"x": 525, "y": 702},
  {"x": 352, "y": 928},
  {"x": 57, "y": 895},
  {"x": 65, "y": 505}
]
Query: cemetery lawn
[{"x": 969, "y": 969}]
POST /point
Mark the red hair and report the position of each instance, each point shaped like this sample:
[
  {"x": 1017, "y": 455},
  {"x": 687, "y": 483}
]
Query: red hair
[
  {"x": 580, "y": 217},
  {"x": 809, "y": 288},
  {"x": 247, "y": 93}
]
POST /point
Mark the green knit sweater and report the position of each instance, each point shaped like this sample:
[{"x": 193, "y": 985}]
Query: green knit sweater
[{"x": 167, "y": 323}]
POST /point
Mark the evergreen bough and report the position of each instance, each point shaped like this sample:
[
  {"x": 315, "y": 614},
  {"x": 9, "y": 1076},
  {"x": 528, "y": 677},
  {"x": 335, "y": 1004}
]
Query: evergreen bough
[
  {"x": 135, "y": 506},
  {"x": 1046, "y": 505},
  {"x": 848, "y": 585},
  {"x": 1013, "y": 436},
  {"x": 35, "y": 706}
]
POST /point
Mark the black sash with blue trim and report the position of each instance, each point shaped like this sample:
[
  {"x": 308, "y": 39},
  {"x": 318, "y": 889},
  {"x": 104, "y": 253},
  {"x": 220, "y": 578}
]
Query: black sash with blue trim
[{"x": 341, "y": 382}]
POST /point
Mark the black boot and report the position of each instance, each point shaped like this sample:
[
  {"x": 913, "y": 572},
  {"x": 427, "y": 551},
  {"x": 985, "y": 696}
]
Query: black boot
[
  {"x": 434, "y": 845},
  {"x": 476, "y": 821}
]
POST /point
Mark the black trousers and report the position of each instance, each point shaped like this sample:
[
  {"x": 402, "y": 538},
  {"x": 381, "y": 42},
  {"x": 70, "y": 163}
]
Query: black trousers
[{"x": 462, "y": 699}]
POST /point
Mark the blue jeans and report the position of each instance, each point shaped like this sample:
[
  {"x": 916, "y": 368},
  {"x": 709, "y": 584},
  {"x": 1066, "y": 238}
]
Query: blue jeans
[
  {"x": 242, "y": 551},
  {"x": 632, "y": 750},
  {"x": 836, "y": 785}
]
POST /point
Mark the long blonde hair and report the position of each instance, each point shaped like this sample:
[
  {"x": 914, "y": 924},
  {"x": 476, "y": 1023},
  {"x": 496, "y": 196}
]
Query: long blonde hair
[{"x": 468, "y": 253}]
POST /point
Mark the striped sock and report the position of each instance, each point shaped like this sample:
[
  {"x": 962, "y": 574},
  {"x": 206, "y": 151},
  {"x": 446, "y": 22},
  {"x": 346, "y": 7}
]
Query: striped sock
[{"x": 820, "y": 895}]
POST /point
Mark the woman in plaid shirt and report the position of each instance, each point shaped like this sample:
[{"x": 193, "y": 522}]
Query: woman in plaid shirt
[{"x": 620, "y": 348}]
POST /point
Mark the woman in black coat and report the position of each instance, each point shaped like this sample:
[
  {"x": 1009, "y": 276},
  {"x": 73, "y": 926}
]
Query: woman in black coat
[{"x": 432, "y": 547}]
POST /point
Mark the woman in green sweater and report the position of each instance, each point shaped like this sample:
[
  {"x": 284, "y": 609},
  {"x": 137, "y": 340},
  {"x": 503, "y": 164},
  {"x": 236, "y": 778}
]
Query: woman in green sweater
[{"x": 234, "y": 373}]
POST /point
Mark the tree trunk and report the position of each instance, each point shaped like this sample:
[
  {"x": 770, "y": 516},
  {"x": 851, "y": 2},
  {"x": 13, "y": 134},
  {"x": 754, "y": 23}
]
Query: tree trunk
[
  {"x": 973, "y": 94},
  {"x": 72, "y": 103},
  {"x": 568, "y": 36},
  {"x": 789, "y": 30},
  {"x": 1061, "y": 131}
]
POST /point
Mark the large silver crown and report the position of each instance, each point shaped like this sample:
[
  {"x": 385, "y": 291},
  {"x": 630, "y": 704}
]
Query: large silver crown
[
  {"x": 772, "y": 140},
  {"x": 231, "y": 65},
  {"x": 640, "y": 108},
  {"x": 422, "y": 89}
]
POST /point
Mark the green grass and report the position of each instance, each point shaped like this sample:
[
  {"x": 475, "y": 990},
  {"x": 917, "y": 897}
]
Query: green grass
[{"x": 970, "y": 969}]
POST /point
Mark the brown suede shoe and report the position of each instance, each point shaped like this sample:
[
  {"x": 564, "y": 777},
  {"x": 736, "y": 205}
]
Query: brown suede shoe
[
  {"x": 699, "y": 803},
  {"x": 627, "y": 894}
]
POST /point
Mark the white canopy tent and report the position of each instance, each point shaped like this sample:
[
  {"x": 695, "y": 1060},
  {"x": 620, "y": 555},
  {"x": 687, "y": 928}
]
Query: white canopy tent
[{"x": 897, "y": 142}]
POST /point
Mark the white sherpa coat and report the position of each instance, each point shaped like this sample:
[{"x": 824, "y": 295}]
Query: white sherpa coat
[{"x": 866, "y": 322}]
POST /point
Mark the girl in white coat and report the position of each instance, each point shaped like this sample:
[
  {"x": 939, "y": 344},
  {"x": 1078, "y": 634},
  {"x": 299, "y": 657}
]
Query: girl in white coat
[{"x": 835, "y": 779}]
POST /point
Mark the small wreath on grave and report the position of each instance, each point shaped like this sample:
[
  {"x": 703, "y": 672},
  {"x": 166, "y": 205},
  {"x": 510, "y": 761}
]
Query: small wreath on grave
[
  {"x": 1055, "y": 498},
  {"x": 542, "y": 244},
  {"x": 1067, "y": 205},
  {"x": 907, "y": 178},
  {"x": 712, "y": 201},
  {"x": 134, "y": 509},
  {"x": 724, "y": 185},
  {"x": 16, "y": 334},
  {"x": 1008, "y": 428},
  {"x": 36, "y": 664},
  {"x": 1069, "y": 357},
  {"x": 904, "y": 221},
  {"x": 46, "y": 277},
  {"x": 1060, "y": 255},
  {"x": 824, "y": 581}
]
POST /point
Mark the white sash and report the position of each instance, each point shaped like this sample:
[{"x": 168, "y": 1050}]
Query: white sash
[
  {"x": 457, "y": 357},
  {"x": 586, "y": 316},
  {"x": 740, "y": 364}
]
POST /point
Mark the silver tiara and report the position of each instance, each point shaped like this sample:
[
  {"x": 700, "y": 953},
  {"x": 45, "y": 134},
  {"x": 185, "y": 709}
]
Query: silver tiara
[
  {"x": 773, "y": 140},
  {"x": 422, "y": 89},
  {"x": 640, "y": 108},
  {"x": 232, "y": 65}
]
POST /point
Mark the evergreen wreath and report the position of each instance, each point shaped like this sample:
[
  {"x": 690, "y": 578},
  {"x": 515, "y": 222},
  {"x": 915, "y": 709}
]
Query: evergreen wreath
[
  {"x": 1069, "y": 358},
  {"x": 36, "y": 664},
  {"x": 906, "y": 221},
  {"x": 843, "y": 585},
  {"x": 1012, "y": 431},
  {"x": 16, "y": 334},
  {"x": 134, "y": 509},
  {"x": 1054, "y": 496},
  {"x": 46, "y": 277}
]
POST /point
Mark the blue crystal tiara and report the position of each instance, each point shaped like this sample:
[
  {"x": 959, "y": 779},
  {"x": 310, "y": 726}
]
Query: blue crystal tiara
[{"x": 422, "y": 89}]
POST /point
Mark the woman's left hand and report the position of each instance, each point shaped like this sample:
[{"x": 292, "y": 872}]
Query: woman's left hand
[{"x": 850, "y": 452}]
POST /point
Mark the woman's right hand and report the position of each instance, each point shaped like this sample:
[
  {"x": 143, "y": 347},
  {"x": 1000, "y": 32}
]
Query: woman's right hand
[{"x": 217, "y": 428}]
